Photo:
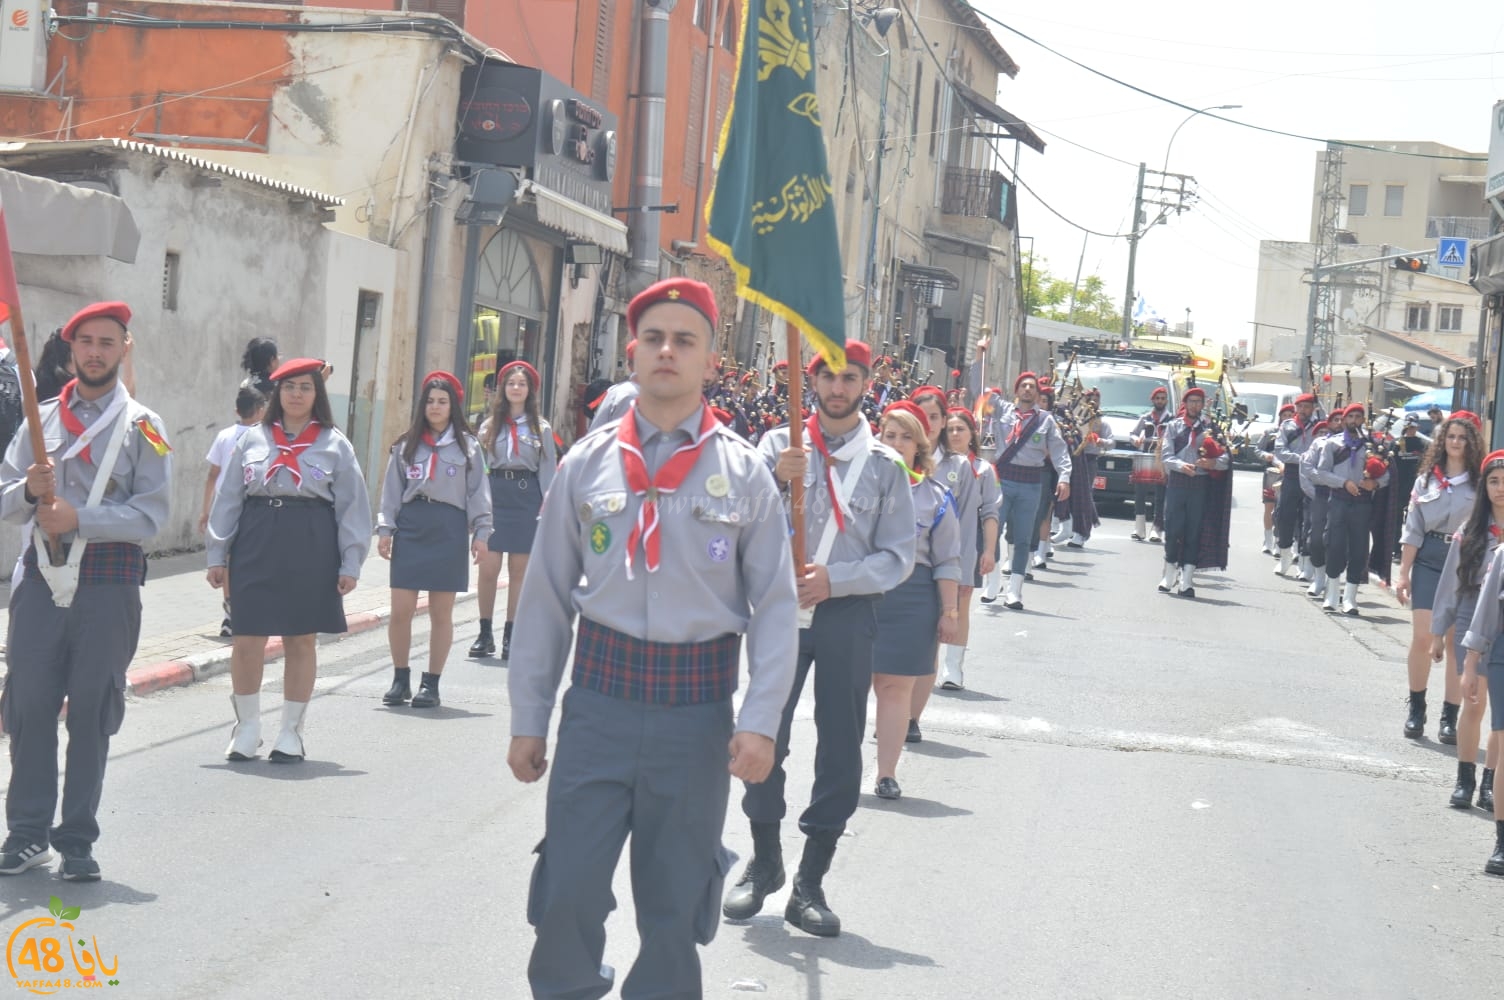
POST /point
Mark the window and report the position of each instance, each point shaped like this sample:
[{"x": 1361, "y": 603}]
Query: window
[
  {"x": 918, "y": 89},
  {"x": 1418, "y": 317},
  {"x": 1394, "y": 199},
  {"x": 935, "y": 119},
  {"x": 699, "y": 13},
  {"x": 1357, "y": 199},
  {"x": 1448, "y": 319},
  {"x": 170, "y": 281},
  {"x": 731, "y": 24}
]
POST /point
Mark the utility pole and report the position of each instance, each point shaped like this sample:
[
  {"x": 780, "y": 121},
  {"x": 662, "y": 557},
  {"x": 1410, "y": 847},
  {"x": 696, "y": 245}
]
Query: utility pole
[
  {"x": 1171, "y": 193},
  {"x": 1321, "y": 325},
  {"x": 1133, "y": 238}
]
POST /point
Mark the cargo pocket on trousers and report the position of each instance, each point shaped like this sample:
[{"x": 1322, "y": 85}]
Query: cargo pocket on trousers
[
  {"x": 535, "y": 887},
  {"x": 708, "y": 915},
  {"x": 112, "y": 713}
]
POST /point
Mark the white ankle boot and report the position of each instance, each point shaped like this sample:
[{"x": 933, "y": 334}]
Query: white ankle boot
[
  {"x": 1286, "y": 560},
  {"x": 1013, "y": 597},
  {"x": 952, "y": 667},
  {"x": 1140, "y": 528},
  {"x": 1077, "y": 541},
  {"x": 1269, "y": 547},
  {"x": 1318, "y": 583},
  {"x": 1333, "y": 593},
  {"x": 1167, "y": 582},
  {"x": 245, "y": 738},
  {"x": 1187, "y": 580},
  {"x": 1062, "y": 531},
  {"x": 1038, "y": 560},
  {"x": 993, "y": 584},
  {"x": 1350, "y": 599},
  {"x": 289, "y": 745},
  {"x": 1306, "y": 570}
]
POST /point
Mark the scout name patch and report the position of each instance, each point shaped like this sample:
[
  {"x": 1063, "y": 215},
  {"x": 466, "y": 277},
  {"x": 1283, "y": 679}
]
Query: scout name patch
[{"x": 600, "y": 538}]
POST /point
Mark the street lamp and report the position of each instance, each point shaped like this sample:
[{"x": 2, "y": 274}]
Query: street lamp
[{"x": 1193, "y": 114}]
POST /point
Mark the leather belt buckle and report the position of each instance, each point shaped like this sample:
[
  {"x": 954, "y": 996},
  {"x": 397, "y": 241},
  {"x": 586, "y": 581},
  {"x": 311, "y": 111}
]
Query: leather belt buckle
[{"x": 274, "y": 502}]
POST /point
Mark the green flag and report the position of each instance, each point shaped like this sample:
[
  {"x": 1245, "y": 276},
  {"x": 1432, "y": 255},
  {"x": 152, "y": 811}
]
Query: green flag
[{"x": 770, "y": 212}]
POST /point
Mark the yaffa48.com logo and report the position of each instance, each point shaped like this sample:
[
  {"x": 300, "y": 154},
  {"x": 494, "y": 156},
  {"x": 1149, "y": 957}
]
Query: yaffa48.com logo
[{"x": 49, "y": 954}]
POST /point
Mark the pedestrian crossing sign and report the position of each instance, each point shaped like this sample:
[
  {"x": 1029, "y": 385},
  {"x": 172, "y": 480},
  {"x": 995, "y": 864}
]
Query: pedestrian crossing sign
[{"x": 1451, "y": 251}]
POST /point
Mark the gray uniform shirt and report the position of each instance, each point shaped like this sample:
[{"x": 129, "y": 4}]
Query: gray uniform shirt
[
  {"x": 1449, "y": 590},
  {"x": 725, "y": 567},
  {"x": 330, "y": 473},
  {"x": 1149, "y": 427},
  {"x": 875, "y": 553},
  {"x": 954, "y": 474},
  {"x": 937, "y": 530},
  {"x": 1308, "y": 466},
  {"x": 1437, "y": 506},
  {"x": 535, "y": 452},
  {"x": 1337, "y": 474},
  {"x": 614, "y": 406},
  {"x": 459, "y": 479},
  {"x": 1182, "y": 447},
  {"x": 1487, "y": 617},
  {"x": 1292, "y": 441},
  {"x": 1044, "y": 441},
  {"x": 135, "y": 505}
]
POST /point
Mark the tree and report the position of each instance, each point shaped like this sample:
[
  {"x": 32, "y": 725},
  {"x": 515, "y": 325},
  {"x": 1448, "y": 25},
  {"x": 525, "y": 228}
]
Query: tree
[{"x": 1051, "y": 297}]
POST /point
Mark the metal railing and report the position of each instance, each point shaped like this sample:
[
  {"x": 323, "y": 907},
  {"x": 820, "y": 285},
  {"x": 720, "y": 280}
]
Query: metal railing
[{"x": 979, "y": 194}]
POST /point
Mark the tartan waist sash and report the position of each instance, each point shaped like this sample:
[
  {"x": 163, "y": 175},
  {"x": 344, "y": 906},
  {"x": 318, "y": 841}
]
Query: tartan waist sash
[
  {"x": 103, "y": 562},
  {"x": 622, "y": 666}
]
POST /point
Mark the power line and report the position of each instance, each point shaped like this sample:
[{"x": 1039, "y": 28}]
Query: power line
[{"x": 1186, "y": 107}]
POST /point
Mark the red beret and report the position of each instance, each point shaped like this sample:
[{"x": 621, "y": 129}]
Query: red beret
[
  {"x": 928, "y": 390},
  {"x": 1023, "y": 375},
  {"x": 1287, "y": 408},
  {"x": 1470, "y": 417},
  {"x": 857, "y": 353},
  {"x": 960, "y": 411},
  {"x": 298, "y": 366},
  {"x": 1357, "y": 408},
  {"x": 1319, "y": 426},
  {"x": 1047, "y": 390},
  {"x": 749, "y": 376},
  {"x": 1305, "y": 397},
  {"x": 1493, "y": 457},
  {"x": 631, "y": 350},
  {"x": 687, "y": 291},
  {"x": 908, "y": 406},
  {"x": 1045, "y": 382},
  {"x": 443, "y": 376},
  {"x": 781, "y": 364},
  {"x": 117, "y": 311},
  {"x": 1194, "y": 392},
  {"x": 532, "y": 373},
  {"x": 1158, "y": 390},
  {"x": 1374, "y": 467}
]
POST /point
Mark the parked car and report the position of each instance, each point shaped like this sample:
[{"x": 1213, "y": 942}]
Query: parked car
[
  {"x": 1126, "y": 386},
  {"x": 1262, "y": 401}
]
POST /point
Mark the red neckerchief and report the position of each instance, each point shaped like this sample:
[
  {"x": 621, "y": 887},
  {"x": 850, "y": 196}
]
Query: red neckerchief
[
  {"x": 669, "y": 476},
  {"x": 1018, "y": 428},
  {"x": 977, "y": 465},
  {"x": 71, "y": 423},
  {"x": 512, "y": 427},
  {"x": 433, "y": 454},
  {"x": 1496, "y": 531},
  {"x": 817, "y": 438},
  {"x": 288, "y": 451}
]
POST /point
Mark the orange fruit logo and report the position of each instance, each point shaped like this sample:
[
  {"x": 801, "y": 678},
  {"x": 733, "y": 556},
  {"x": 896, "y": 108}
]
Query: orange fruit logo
[
  {"x": 20, "y": 17},
  {"x": 47, "y": 954}
]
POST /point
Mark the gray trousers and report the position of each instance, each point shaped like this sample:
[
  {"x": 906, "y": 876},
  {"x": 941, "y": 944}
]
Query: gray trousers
[
  {"x": 838, "y": 644},
  {"x": 80, "y": 652},
  {"x": 658, "y": 772}
]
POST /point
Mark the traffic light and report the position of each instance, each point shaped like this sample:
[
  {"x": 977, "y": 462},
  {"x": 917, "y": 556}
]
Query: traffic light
[{"x": 1415, "y": 265}]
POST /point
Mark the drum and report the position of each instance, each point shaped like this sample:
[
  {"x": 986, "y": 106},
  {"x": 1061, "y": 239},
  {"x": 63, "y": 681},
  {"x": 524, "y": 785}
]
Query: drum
[{"x": 1147, "y": 469}]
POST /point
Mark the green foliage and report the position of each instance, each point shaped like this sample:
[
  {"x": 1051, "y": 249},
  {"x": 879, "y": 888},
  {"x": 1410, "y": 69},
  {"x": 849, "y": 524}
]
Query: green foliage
[{"x": 1050, "y": 297}]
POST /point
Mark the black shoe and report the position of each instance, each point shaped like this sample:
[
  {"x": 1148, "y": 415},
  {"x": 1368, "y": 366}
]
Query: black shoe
[
  {"x": 1187, "y": 592},
  {"x": 1486, "y": 791},
  {"x": 761, "y": 878},
  {"x": 484, "y": 644},
  {"x": 427, "y": 697},
  {"x": 988, "y": 600},
  {"x": 1495, "y": 864},
  {"x": 506, "y": 641},
  {"x": 887, "y": 788},
  {"x": 20, "y": 854},
  {"x": 225, "y": 632},
  {"x": 1467, "y": 783},
  {"x": 1415, "y": 725},
  {"x": 808, "y": 911},
  {"x": 913, "y": 735},
  {"x": 1014, "y": 605},
  {"x": 1074, "y": 545},
  {"x": 1446, "y": 729},
  {"x": 1136, "y": 537},
  {"x": 78, "y": 863},
  {"x": 399, "y": 692}
]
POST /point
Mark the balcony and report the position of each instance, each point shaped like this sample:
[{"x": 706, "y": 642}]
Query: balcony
[
  {"x": 1471, "y": 227},
  {"x": 977, "y": 194}
]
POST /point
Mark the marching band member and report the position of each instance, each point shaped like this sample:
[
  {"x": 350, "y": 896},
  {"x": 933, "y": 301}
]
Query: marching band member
[
  {"x": 1313, "y": 518},
  {"x": 1148, "y": 476},
  {"x": 1192, "y": 453},
  {"x": 1290, "y": 446},
  {"x": 1350, "y": 477},
  {"x": 291, "y": 526},
  {"x": 1026, "y": 437},
  {"x": 619, "y": 396},
  {"x": 435, "y": 510}
]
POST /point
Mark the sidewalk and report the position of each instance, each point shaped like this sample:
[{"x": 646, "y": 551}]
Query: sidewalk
[{"x": 180, "y": 616}]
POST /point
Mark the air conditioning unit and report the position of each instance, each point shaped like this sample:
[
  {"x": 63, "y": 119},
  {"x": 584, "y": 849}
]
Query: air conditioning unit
[
  {"x": 23, "y": 45},
  {"x": 931, "y": 296}
]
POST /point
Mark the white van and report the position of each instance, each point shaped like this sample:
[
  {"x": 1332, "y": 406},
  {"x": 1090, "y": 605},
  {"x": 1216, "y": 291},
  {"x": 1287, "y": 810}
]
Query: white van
[{"x": 1263, "y": 400}]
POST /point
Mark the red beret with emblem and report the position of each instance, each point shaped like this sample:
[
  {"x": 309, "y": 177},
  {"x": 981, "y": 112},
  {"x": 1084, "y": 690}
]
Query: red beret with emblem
[
  {"x": 909, "y": 407},
  {"x": 929, "y": 390},
  {"x": 1470, "y": 417},
  {"x": 1025, "y": 375},
  {"x": 1357, "y": 408},
  {"x": 443, "y": 376},
  {"x": 685, "y": 291},
  {"x": 1194, "y": 392},
  {"x": 857, "y": 353},
  {"x": 298, "y": 366},
  {"x": 523, "y": 366},
  {"x": 117, "y": 311},
  {"x": 1305, "y": 397}
]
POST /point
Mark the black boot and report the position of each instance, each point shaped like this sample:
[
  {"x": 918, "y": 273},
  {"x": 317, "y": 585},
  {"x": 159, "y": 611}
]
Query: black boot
[
  {"x": 428, "y": 692},
  {"x": 506, "y": 640},
  {"x": 1467, "y": 783},
  {"x": 1486, "y": 791},
  {"x": 1446, "y": 730},
  {"x": 1415, "y": 725},
  {"x": 807, "y": 909},
  {"x": 484, "y": 645},
  {"x": 763, "y": 875},
  {"x": 400, "y": 690},
  {"x": 1495, "y": 864}
]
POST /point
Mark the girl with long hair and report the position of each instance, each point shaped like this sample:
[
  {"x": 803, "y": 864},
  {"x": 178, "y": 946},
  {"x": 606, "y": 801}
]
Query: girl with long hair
[
  {"x": 290, "y": 526},
  {"x": 918, "y": 614},
  {"x": 1440, "y": 502},
  {"x": 978, "y": 518},
  {"x": 258, "y": 360},
  {"x": 518, "y": 445},
  {"x": 435, "y": 509}
]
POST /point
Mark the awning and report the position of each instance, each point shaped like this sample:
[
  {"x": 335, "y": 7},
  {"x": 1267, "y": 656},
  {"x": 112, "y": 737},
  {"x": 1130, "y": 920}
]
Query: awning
[
  {"x": 1012, "y": 124},
  {"x": 51, "y": 219},
  {"x": 558, "y": 212},
  {"x": 1488, "y": 265},
  {"x": 920, "y": 274}
]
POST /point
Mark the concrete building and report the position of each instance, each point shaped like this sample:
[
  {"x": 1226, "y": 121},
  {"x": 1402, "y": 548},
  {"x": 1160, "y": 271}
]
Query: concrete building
[
  {"x": 220, "y": 255},
  {"x": 1408, "y": 194}
]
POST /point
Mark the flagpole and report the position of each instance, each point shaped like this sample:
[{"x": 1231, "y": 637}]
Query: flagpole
[
  {"x": 29, "y": 407},
  {"x": 779, "y": 327}
]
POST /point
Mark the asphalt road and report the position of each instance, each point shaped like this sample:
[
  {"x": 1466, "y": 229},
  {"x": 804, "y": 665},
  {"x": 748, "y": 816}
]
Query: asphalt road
[{"x": 1137, "y": 796}]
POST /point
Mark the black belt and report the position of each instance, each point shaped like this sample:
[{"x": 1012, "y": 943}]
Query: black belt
[
  {"x": 427, "y": 499},
  {"x": 1440, "y": 536},
  {"x": 514, "y": 473},
  {"x": 263, "y": 501}
]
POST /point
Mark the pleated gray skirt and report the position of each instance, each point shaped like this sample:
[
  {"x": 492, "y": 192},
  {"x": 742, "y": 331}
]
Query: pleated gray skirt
[
  {"x": 284, "y": 569},
  {"x": 907, "y": 617},
  {"x": 431, "y": 548},
  {"x": 515, "y": 502}
]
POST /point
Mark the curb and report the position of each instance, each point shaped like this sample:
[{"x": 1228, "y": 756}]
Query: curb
[{"x": 201, "y": 666}]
